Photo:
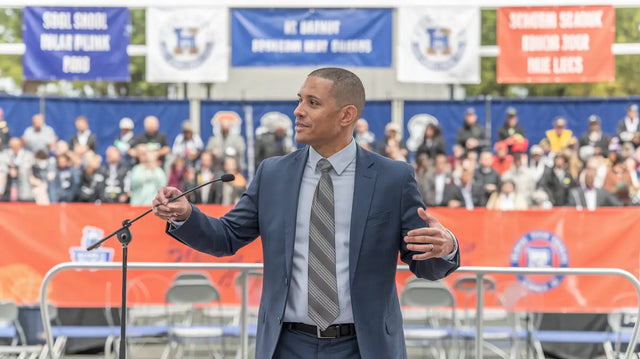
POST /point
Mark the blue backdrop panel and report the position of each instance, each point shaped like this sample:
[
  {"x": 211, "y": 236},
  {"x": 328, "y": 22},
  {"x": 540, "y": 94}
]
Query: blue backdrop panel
[
  {"x": 536, "y": 115},
  {"x": 104, "y": 116},
  {"x": 450, "y": 115},
  {"x": 378, "y": 114},
  {"x": 18, "y": 112}
]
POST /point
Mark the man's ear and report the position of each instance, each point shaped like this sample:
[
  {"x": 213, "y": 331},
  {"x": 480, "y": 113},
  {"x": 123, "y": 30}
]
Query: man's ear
[{"x": 349, "y": 114}]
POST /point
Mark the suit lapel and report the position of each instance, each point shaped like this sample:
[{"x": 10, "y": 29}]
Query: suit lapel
[
  {"x": 293, "y": 179},
  {"x": 364, "y": 184}
]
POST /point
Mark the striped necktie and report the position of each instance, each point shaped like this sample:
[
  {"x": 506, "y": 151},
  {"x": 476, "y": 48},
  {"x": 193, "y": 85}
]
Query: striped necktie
[{"x": 323, "y": 286}]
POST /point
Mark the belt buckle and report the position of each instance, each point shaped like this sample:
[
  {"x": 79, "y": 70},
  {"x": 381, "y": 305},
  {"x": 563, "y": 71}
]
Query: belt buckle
[{"x": 320, "y": 336}]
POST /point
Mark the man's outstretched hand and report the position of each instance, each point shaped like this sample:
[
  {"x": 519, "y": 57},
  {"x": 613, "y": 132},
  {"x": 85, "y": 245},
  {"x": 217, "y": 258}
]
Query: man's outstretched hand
[{"x": 178, "y": 210}]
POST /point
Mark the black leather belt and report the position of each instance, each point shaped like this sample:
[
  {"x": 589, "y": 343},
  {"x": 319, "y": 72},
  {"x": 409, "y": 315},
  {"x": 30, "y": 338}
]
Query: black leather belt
[{"x": 332, "y": 332}]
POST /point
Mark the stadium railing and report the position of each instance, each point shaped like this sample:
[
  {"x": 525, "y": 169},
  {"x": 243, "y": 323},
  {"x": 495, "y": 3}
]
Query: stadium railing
[{"x": 244, "y": 268}]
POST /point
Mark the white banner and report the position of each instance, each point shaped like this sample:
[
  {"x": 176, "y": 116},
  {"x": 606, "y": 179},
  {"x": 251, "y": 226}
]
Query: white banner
[
  {"x": 187, "y": 44},
  {"x": 438, "y": 45}
]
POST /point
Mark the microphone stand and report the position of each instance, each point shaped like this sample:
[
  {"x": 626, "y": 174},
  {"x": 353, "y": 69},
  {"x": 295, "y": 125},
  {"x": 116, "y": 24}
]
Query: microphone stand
[{"x": 124, "y": 237}]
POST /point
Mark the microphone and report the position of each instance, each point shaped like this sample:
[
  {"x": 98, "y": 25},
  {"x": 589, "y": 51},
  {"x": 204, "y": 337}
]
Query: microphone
[{"x": 227, "y": 177}]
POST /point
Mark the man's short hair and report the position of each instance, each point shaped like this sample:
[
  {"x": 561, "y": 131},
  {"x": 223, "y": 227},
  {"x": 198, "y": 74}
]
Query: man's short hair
[{"x": 347, "y": 88}]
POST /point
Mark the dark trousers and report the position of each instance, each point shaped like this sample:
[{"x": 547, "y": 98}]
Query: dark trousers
[{"x": 294, "y": 344}]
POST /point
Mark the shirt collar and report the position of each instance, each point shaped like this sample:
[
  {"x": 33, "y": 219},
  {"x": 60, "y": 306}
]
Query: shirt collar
[{"x": 339, "y": 160}]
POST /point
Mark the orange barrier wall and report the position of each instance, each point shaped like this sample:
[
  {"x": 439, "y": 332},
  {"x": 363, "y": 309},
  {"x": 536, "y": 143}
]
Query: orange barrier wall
[{"x": 35, "y": 238}]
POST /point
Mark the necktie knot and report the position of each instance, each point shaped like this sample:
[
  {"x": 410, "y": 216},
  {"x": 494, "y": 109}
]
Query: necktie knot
[{"x": 324, "y": 165}]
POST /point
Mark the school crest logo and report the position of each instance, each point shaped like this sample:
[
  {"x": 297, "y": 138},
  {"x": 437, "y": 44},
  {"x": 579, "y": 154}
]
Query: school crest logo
[
  {"x": 91, "y": 235},
  {"x": 436, "y": 45},
  {"x": 186, "y": 40},
  {"x": 539, "y": 249}
]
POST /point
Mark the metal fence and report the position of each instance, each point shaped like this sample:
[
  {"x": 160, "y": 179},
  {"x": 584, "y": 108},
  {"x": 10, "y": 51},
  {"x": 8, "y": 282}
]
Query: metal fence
[{"x": 244, "y": 268}]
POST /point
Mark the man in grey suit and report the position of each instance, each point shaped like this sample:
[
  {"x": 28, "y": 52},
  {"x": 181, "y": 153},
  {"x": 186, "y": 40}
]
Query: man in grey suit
[{"x": 332, "y": 218}]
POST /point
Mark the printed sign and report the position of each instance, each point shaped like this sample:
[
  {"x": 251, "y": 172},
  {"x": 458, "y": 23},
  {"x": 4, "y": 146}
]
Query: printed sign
[
  {"x": 306, "y": 37},
  {"x": 83, "y": 43},
  {"x": 187, "y": 44},
  {"x": 439, "y": 44},
  {"x": 556, "y": 44}
]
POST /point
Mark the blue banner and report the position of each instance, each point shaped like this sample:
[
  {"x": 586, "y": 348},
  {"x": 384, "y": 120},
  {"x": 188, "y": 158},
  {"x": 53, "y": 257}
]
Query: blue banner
[
  {"x": 309, "y": 37},
  {"x": 83, "y": 43}
]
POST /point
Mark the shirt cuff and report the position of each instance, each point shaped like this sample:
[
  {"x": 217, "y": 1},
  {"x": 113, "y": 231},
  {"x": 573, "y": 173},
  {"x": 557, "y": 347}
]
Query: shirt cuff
[
  {"x": 449, "y": 257},
  {"x": 173, "y": 225}
]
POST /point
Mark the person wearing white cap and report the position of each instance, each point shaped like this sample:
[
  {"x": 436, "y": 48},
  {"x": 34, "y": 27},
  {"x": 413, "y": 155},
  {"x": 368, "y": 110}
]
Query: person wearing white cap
[
  {"x": 187, "y": 144},
  {"x": 594, "y": 141},
  {"x": 391, "y": 134},
  {"x": 122, "y": 142}
]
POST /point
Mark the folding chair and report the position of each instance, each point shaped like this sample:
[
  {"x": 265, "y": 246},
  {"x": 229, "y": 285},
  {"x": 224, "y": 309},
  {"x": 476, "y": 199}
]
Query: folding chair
[
  {"x": 438, "y": 321},
  {"x": 11, "y": 330},
  {"x": 500, "y": 325},
  {"x": 184, "y": 326},
  {"x": 621, "y": 323}
]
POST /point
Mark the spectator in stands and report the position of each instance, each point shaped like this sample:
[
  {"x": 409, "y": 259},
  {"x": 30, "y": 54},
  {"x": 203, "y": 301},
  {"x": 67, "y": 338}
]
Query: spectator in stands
[
  {"x": 91, "y": 180},
  {"x": 486, "y": 178},
  {"x": 594, "y": 141},
  {"x": 507, "y": 199},
  {"x": 511, "y": 130},
  {"x": 559, "y": 135},
  {"x": 5, "y": 135},
  {"x": 66, "y": 181},
  {"x": 502, "y": 161},
  {"x": 207, "y": 172},
  {"x": 177, "y": 173},
  {"x": 273, "y": 142},
  {"x": 629, "y": 127},
  {"x": 231, "y": 191},
  {"x": 433, "y": 142},
  {"x": 364, "y": 137},
  {"x": 455, "y": 160},
  {"x": 523, "y": 178},
  {"x": 40, "y": 178},
  {"x": 621, "y": 179},
  {"x": 123, "y": 141},
  {"x": 471, "y": 135},
  {"x": 116, "y": 173},
  {"x": 574, "y": 164},
  {"x": 392, "y": 133},
  {"x": 588, "y": 196},
  {"x": 16, "y": 164},
  {"x": 39, "y": 136},
  {"x": 228, "y": 142},
  {"x": 146, "y": 177},
  {"x": 425, "y": 179},
  {"x": 187, "y": 145},
  {"x": 557, "y": 181},
  {"x": 464, "y": 193},
  {"x": 441, "y": 179},
  {"x": 537, "y": 162},
  {"x": 83, "y": 140},
  {"x": 152, "y": 138}
]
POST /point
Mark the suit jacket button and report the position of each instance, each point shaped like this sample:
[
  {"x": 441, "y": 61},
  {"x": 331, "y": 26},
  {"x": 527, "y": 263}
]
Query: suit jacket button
[
  {"x": 286, "y": 281},
  {"x": 279, "y": 320}
]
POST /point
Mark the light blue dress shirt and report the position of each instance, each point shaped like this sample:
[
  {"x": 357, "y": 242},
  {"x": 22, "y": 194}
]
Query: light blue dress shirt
[{"x": 343, "y": 178}]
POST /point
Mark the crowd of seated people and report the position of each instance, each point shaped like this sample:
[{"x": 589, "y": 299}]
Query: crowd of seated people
[
  {"x": 593, "y": 170},
  {"x": 586, "y": 172}
]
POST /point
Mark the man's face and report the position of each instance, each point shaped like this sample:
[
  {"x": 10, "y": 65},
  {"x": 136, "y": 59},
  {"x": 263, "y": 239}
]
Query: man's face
[
  {"x": 37, "y": 121},
  {"x": 362, "y": 127},
  {"x": 486, "y": 159},
  {"x": 81, "y": 125},
  {"x": 151, "y": 125},
  {"x": 441, "y": 163},
  {"x": 317, "y": 114},
  {"x": 632, "y": 114},
  {"x": 15, "y": 144},
  {"x": 560, "y": 126},
  {"x": 512, "y": 120},
  {"x": 471, "y": 118},
  {"x": 113, "y": 155}
]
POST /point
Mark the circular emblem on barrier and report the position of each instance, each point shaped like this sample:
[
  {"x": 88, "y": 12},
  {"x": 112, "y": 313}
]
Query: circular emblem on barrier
[
  {"x": 437, "y": 46},
  {"x": 186, "y": 40},
  {"x": 539, "y": 249}
]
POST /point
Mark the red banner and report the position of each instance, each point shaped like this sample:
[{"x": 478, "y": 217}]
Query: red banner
[
  {"x": 35, "y": 238},
  {"x": 556, "y": 44}
]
